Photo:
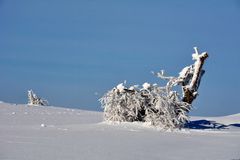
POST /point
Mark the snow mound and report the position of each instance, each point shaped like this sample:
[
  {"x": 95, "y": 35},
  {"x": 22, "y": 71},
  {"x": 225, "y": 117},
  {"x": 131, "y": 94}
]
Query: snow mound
[{"x": 62, "y": 133}]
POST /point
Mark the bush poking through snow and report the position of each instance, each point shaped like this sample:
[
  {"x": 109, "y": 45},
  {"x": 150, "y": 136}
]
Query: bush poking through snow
[
  {"x": 121, "y": 104},
  {"x": 159, "y": 106},
  {"x": 33, "y": 99},
  {"x": 150, "y": 104}
]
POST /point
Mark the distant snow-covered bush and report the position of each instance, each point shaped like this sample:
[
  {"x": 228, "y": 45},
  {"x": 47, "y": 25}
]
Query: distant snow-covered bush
[
  {"x": 33, "y": 99},
  {"x": 160, "y": 106}
]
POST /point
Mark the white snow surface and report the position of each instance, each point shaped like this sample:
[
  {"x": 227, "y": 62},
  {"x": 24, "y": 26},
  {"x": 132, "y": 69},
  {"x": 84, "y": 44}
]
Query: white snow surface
[
  {"x": 47, "y": 133},
  {"x": 183, "y": 72},
  {"x": 146, "y": 85},
  {"x": 120, "y": 87}
]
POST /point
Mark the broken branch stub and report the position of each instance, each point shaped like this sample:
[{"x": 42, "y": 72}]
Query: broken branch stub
[{"x": 190, "y": 90}]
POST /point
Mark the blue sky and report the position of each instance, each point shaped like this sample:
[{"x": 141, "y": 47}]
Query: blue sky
[{"x": 68, "y": 50}]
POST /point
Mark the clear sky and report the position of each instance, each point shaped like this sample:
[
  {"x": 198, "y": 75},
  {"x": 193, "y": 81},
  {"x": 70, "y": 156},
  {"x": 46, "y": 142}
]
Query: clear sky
[{"x": 67, "y": 51}]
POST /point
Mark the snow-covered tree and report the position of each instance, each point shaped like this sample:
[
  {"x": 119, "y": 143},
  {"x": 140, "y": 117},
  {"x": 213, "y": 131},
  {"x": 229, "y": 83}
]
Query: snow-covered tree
[
  {"x": 160, "y": 106},
  {"x": 33, "y": 99},
  {"x": 121, "y": 104}
]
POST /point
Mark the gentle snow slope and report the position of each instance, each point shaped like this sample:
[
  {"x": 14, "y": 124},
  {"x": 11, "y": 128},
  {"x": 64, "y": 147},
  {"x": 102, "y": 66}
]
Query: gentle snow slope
[{"x": 48, "y": 133}]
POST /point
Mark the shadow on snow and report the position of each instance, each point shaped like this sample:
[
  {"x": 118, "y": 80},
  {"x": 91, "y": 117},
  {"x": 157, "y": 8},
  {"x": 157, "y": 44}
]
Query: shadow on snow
[{"x": 206, "y": 124}]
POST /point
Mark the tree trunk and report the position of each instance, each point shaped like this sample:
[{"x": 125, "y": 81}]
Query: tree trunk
[{"x": 190, "y": 90}]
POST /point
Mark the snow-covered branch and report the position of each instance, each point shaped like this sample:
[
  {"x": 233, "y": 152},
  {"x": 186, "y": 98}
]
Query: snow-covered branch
[
  {"x": 189, "y": 78},
  {"x": 190, "y": 90}
]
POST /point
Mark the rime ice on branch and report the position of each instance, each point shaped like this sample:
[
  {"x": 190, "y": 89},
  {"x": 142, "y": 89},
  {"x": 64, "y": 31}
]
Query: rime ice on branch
[
  {"x": 33, "y": 99},
  {"x": 190, "y": 88},
  {"x": 160, "y": 106},
  {"x": 189, "y": 78}
]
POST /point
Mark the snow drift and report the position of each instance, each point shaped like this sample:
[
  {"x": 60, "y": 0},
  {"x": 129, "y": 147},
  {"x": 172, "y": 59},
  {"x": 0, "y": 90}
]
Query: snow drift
[{"x": 36, "y": 133}]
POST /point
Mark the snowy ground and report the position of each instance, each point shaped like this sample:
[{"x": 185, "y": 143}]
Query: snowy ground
[{"x": 48, "y": 133}]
